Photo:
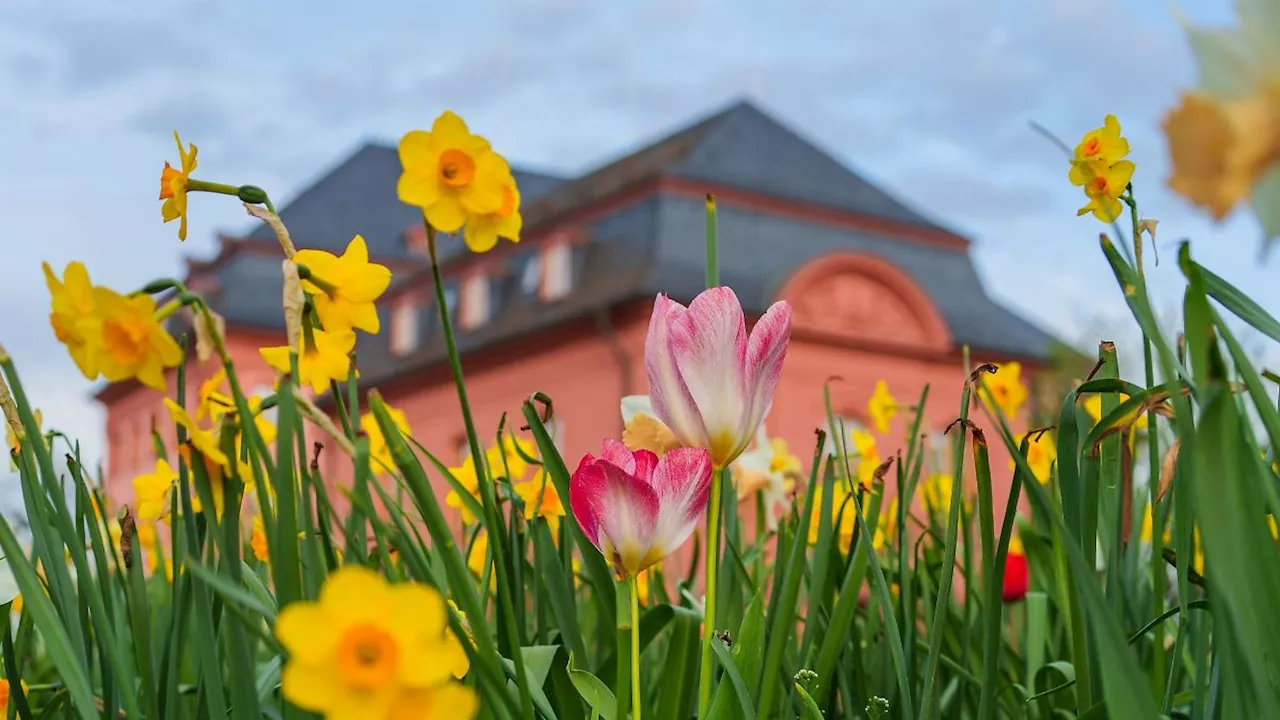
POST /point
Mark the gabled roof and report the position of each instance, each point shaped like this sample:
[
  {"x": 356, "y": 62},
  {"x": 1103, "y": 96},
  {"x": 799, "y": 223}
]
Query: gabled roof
[{"x": 645, "y": 237}]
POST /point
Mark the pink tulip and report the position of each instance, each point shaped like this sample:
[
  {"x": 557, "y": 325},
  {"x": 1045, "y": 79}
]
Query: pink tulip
[
  {"x": 637, "y": 509},
  {"x": 708, "y": 381}
]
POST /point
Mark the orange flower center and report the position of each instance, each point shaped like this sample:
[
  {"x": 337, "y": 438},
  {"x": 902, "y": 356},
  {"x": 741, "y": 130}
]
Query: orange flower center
[
  {"x": 1091, "y": 147},
  {"x": 125, "y": 339},
  {"x": 367, "y": 657},
  {"x": 508, "y": 202},
  {"x": 1099, "y": 185},
  {"x": 167, "y": 178},
  {"x": 456, "y": 168}
]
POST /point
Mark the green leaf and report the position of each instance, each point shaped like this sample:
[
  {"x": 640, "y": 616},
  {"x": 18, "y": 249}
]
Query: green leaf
[
  {"x": 811, "y": 711},
  {"x": 735, "y": 677},
  {"x": 598, "y": 695}
]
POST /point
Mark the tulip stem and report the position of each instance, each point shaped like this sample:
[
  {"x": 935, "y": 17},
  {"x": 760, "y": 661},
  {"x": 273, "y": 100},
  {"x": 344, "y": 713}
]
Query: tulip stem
[
  {"x": 635, "y": 648},
  {"x": 712, "y": 570},
  {"x": 713, "y": 254}
]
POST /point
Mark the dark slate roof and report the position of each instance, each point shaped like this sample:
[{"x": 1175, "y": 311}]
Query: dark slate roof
[
  {"x": 649, "y": 246},
  {"x": 358, "y": 196}
]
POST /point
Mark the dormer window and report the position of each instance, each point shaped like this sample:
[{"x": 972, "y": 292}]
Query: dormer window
[
  {"x": 475, "y": 302},
  {"x": 404, "y": 327},
  {"x": 557, "y": 271},
  {"x": 531, "y": 275}
]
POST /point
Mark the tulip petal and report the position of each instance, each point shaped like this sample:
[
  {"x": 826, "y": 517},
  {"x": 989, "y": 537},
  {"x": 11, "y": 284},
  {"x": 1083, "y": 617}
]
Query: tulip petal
[
  {"x": 668, "y": 393},
  {"x": 617, "y": 511},
  {"x": 616, "y": 453},
  {"x": 709, "y": 344},
  {"x": 766, "y": 350},
  {"x": 681, "y": 482}
]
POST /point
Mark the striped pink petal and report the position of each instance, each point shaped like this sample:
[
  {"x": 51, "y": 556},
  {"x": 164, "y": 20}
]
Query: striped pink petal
[
  {"x": 709, "y": 343},
  {"x": 682, "y": 482},
  {"x": 667, "y": 390},
  {"x": 617, "y": 511},
  {"x": 766, "y": 351}
]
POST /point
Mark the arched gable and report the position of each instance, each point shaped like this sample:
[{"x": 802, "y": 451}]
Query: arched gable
[{"x": 858, "y": 298}]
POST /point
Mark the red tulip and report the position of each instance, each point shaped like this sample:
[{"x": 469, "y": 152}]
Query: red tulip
[{"x": 1015, "y": 573}]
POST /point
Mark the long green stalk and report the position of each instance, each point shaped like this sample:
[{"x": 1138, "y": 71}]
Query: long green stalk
[
  {"x": 712, "y": 568},
  {"x": 635, "y": 649}
]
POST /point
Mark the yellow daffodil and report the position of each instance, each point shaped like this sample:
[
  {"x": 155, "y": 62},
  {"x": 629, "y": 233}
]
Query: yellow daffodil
[
  {"x": 73, "y": 316},
  {"x": 937, "y": 489},
  {"x": 1103, "y": 145},
  {"x": 258, "y": 540},
  {"x": 471, "y": 637},
  {"x": 1004, "y": 390},
  {"x": 266, "y": 430},
  {"x": 1097, "y": 167},
  {"x": 1041, "y": 455},
  {"x": 212, "y": 402},
  {"x": 134, "y": 343},
  {"x": 345, "y": 288},
  {"x": 868, "y": 459},
  {"x": 1224, "y": 137},
  {"x": 369, "y": 649},
  {"x": 1104, "y": 185},
  {"x": 541, "y": 500},
  {"x": 478, "y": 558},
  {"x": 882, "y": 407},
  {"x": 450, "y": 173},
  {"x": 1093, "y": 406},
  {"x": 645, "y": 432},
  {"x": 173, "y": 187},
  {"x": 5, "y": 692},
  {"x": 482, "y": 231},
  {"x": 507, "y": 461},
  {"x": 325, "y": 358},
  {"x": 465, "y": 474},
  {"x": 151, "y": 492},
  {"x": 202, "y": 440},
  {"x": 380, "y": 458}
]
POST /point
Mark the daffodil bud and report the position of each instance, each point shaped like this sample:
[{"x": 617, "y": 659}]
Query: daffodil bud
[
  {"x": 295, "y": 302},
  {"x": 252, "y": 194}
]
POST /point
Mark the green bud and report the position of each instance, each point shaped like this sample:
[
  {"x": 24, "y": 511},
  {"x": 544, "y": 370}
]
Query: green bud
[
  {"x": 252, "y": 194},
  {"x": 159, "y": 286}
]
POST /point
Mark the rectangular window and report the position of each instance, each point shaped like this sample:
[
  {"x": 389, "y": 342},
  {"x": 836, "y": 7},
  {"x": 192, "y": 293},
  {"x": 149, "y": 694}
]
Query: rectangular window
[
  {"x": 404, "y": 327},
  {"x": 557, "y": 271},
  {"x": 475, "y": 302}
]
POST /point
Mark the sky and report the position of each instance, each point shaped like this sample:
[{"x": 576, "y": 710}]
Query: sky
[{"x": 931, "y": 99}]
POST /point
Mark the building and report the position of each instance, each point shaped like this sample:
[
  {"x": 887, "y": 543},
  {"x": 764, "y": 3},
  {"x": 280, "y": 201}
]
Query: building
[{"x": 879, "y": 291}]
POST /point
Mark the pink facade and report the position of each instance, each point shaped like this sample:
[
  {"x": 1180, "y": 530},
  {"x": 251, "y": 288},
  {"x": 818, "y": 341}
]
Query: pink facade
[{"x": 858, "y": 320}]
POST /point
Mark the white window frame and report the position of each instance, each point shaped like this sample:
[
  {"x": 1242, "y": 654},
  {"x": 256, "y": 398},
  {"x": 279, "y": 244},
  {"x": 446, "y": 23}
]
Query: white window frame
[
  {"x": 404, "y": 327},
  {"x": 557, "y": 271},
  {"x": 474, "y": 310}
]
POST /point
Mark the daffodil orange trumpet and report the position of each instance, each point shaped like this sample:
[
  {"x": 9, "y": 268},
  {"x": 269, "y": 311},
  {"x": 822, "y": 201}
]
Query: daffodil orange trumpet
[
  {"x": 636, "y": 508},
  {"x": 710, "y": 382}
]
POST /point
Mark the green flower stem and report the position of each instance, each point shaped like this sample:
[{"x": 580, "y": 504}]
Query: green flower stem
[
  {"x": 168, "y": 309},
  {"x": 713, "y": 253},
  {"x": 635, "y": 648},
  {"x": 712, "y": 570},
  {"x": 488, "y": 500},
  {"x": 194, "y": 185},
  {"x": 325, "y": 286}
]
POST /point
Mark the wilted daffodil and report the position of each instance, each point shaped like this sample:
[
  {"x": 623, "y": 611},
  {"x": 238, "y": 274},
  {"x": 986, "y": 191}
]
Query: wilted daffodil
[
  {"x": 380, "y": 458},
  {"x": 1224, "y": 137},
  {"x": 325, "y": 358},
  {"x": 134, "y": 343},
  {"x": 173, "y": 187},
  {"x": 344, "y": 288},
  {"x": 73, "y": 316},
  {"x": 636, "y": 508},
  {"x": 482, "y": 231},
  {"x": 1041, "y": 455},
  {"x": 769, "y": 469},
  {"x": 882, "y": 407},
  {"x": 710, "y": 382},
  {"x": 369, "y": 649},
  {"x": 451, "y": 174},
  {"x": 1004, "y": 390},
  {"x": 1097, "y": 166}
]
